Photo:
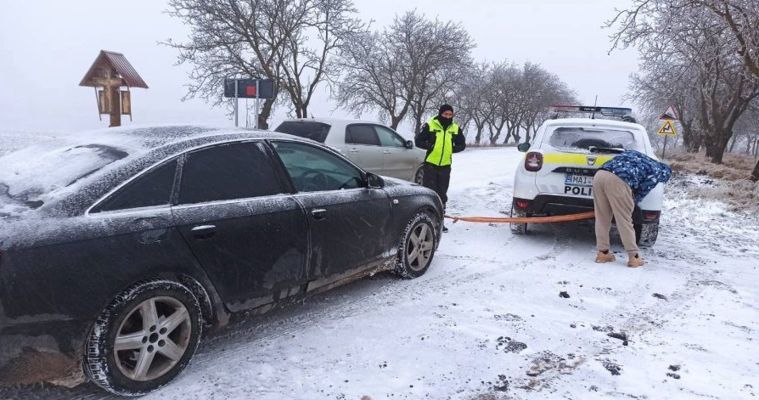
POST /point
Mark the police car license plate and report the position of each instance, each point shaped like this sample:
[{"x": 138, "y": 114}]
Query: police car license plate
[{"x": 578, "y": 185}]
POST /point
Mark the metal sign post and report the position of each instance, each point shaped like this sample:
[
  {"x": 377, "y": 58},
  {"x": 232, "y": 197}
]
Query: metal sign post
[
  {"x": 257, "y": 81},
  {"x": 248, "y": 88},
  {"x": 667, "y": 130},
  {"x": 664, "y": 150},
  {"x": 237, "y": 104}
]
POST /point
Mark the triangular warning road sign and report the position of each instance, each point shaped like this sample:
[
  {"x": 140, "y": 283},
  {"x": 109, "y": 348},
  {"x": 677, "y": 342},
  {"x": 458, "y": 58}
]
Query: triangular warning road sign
[
  {"x": 667, "y": 129},
  {"x": 670, "y": 114}
]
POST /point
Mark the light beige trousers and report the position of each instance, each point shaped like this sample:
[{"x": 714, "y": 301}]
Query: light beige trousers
[{"x": 612, "y": 197}]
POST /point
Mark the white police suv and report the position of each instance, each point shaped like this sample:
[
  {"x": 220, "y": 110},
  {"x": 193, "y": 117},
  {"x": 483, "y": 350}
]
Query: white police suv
[{"x": 556, "y": 175}]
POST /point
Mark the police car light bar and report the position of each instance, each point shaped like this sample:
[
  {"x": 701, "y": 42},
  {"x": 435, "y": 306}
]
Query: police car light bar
[{"x": 611, "y": 112}]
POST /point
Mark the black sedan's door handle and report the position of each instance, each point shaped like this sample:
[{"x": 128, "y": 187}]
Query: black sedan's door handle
[
  {"x": 204, "y": 231},
  {"x": 319, "y": 214}
]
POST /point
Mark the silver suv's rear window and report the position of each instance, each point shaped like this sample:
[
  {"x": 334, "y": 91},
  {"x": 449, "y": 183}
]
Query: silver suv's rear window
[
  {"x": 306, "y": 129},
  {"x": 579, "y": 138}
]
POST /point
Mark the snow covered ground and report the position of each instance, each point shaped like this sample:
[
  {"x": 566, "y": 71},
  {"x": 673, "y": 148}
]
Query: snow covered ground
[{"x": 509, "y": 317}]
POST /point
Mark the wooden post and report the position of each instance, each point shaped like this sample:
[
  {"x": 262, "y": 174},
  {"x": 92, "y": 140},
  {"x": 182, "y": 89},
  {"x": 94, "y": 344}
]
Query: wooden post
[{"x": 115, "y": 94}]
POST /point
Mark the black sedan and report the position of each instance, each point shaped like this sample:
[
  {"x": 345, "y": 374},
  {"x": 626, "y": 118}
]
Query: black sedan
[{"x": 118, "y": 248}]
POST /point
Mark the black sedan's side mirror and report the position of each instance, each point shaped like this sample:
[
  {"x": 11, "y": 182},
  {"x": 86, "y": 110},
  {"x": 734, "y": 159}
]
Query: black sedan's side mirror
[
  {"x": 374, "y": 181},
  {"x": 523, "y": 147},
  {"x": 409, "y": 144}
]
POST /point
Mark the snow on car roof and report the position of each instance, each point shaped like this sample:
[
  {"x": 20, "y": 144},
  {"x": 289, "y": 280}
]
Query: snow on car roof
[
  {"x": 343, "y": 121},
  {"x": 592, "y": 122},
  {"x": 33, "y": 175}
]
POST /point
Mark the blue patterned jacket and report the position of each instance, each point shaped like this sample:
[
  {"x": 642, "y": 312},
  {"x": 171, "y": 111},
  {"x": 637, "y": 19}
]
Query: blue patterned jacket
[{"x": 639, "y": 171}]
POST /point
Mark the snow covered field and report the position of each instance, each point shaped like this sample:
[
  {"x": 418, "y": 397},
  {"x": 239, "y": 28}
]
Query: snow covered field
[{"x": 509, "y": 317}]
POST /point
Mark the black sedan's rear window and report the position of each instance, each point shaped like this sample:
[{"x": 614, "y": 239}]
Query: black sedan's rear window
[
  {"x": 30, "y": 175},
  {"x": 306, "y": 129}
]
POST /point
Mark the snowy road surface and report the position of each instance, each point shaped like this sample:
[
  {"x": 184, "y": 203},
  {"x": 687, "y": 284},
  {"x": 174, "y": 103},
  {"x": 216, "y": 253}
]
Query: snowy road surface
[{"x": 488, "y": 321}]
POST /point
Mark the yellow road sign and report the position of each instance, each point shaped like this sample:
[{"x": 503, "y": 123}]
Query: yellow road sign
[{"x": 667, "y": 129}]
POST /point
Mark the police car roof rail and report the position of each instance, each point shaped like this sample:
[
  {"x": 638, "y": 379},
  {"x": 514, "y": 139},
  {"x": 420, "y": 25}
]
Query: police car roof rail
[{"x": 618, "y": 113}]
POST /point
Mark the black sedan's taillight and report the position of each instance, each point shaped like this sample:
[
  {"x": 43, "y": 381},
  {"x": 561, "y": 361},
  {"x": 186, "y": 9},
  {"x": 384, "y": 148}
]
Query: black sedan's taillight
[{"x": 533, "y": 161}]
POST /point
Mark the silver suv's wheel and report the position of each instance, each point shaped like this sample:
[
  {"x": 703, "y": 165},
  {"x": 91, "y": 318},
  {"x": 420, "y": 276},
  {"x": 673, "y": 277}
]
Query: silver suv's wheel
[
  {"x": 417, "y": 246},
  {"x": 419, "y": 175},
  {"x": 144, "y": 338}
]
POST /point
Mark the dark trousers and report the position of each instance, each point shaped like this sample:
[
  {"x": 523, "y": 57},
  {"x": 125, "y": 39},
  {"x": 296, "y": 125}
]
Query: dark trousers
[{"x": 437, "y": 179}]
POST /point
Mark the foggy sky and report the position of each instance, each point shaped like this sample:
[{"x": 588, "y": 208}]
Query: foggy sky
[{"x": 47, "y": 46}]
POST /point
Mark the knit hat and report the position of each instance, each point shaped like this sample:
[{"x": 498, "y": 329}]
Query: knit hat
[{"x": 444, "y": 108}]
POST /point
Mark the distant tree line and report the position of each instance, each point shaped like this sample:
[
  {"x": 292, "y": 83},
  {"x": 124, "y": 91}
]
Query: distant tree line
[
  {"x": 402, "y": 72},
  {"x": 702, "y": 57}
]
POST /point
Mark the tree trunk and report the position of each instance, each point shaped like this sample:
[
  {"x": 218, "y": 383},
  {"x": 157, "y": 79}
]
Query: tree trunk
[
  {"x": 263, "y": 117},
  {"x": 527, "y": 136},
  {"x": 755, "y": 173},
  {"x": 478, "y": 137},
  {"x": 695, "y": 143},
  {"x": 494, "y": 139},
  {"x": 395, "y": 121},
  {"x": 711, "y": 145},
  {"x": 418, "y": 123},
  {"x": 748, "y": 144},
  {"x": 716, "y": 146},
  {"x": 688, "y": 136}
]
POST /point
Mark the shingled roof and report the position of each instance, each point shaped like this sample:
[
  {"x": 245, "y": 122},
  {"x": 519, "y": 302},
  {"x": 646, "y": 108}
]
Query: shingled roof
[{"x": 118, "y": 63}]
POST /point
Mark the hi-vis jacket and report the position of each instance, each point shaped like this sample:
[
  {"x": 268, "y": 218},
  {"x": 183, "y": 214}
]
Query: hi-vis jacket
[{"x": 440, "y": 142}]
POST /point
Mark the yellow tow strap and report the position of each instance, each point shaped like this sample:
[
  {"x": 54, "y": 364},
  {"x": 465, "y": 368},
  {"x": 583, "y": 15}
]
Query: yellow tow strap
[{"x": 526, "y": 220}]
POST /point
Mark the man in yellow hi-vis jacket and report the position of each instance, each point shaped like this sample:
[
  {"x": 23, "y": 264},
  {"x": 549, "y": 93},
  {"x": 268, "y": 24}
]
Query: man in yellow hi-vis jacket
[{"x": 441, "y": 137}]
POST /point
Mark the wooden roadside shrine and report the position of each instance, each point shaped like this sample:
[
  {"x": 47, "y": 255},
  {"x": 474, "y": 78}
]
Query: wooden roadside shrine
[{"x": 108, "y": 74}]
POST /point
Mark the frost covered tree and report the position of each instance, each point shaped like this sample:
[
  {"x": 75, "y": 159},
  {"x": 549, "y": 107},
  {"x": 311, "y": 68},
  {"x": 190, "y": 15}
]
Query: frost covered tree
[
  {"x": 660, "y": 86},
  {"x": 290, "y": 42},
  {"x": 704, "y": 43},
  {"x": 403, "y": 69},
  {"x": 470, "y": 96},
  {"x": 516, "y": 100}
]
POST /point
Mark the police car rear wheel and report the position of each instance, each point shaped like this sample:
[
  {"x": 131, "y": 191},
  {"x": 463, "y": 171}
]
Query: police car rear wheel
[
  {"x": 646, "y": 234},
  {"x": 518, "y": 229}
]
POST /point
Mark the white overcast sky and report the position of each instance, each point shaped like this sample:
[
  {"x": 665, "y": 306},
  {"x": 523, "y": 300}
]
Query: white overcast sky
[{"x": 47, "y": 46}]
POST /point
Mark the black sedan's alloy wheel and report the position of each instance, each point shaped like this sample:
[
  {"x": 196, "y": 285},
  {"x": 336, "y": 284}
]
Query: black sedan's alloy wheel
[
  {"x": 144, "y": 338},
  {"x": 417, "y": 246}
]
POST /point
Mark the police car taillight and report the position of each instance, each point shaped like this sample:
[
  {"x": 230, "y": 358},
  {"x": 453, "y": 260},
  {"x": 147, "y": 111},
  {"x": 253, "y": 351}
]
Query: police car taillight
[
  {"x": 651, "y": 215},
  {"x": 533, "y": 161}
]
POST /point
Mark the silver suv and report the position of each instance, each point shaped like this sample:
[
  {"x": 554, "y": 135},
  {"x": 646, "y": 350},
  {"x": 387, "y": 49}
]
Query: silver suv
[{"x": 373, "y": 146}]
